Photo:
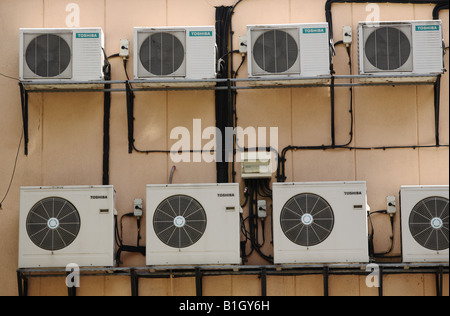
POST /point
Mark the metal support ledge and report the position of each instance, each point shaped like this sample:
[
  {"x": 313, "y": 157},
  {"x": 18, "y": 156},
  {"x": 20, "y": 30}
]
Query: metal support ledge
[{"x": 200, "y": 272}]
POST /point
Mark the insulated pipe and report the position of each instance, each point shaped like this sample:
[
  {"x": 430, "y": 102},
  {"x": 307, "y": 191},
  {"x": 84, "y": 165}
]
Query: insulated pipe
[{"x": 438, "y": 8}]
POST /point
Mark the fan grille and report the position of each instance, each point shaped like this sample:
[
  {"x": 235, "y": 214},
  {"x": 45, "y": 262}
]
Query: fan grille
[
  {"x": 162, "y": 54},
  {"x": 53, "y": 224},
  {"x": 48, "y": 55},
  {"x": 275, "y": 51},
  {"x": 307, "y": 219},
  {"x": 179, "y": 221},
  {"x": 388, "y": 48},
  {"x": 428, "y": 223}
]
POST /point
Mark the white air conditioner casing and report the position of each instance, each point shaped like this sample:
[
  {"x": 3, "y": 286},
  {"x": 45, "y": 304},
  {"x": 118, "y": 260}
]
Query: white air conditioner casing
[
  {"x": 61, "y": 56},
  {"x": 424, "y": 217},
  {"x": 393, "y": 49},
  {"x": 63, "y": 225},
  {"x": 171, "y": 56},
  {"x": 193, "y": 224},
  {"x": 320, "y": 222},
  {"x": 289, "y": 51}
]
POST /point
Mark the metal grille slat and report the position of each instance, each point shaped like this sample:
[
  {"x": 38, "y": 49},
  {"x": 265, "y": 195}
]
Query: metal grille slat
[
  {"x": 427, "y": 223},
  {"x": 53, "y": 224},
  {"x": 307, "y": 219},
  {"x": 189, "y": 230}
]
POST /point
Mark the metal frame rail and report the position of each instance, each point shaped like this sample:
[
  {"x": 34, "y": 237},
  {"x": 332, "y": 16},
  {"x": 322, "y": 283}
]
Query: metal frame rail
[{"x": 199, "y": 272}]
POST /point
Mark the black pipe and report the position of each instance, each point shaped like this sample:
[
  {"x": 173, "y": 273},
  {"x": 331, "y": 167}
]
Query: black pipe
[
  {"x": 325, "y": 281},
  {"x": 24, "y": 103},
  {"x": 333, "y": 110},
  {"x": 223, "y": 118},
  {"x": 134, "y": 283},
  {"x": 437, "y": 109},
  {"x": 106, "y": 132},
  {"x": 263, "y": 282},
  {"x": 130, "y": 117},
  {"x": 198, "y": 282},
  {"x": 438, "y": 8}
]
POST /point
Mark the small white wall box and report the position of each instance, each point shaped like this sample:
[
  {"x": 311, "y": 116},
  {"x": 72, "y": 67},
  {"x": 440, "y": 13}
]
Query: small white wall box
[
  {"x": 393, "y": 49},
  {"x": 256, "y": 165},
  {"x": 61, "y": 56},
  {"x": 193, "y": 224},
  {"x": 289, "y": 50},
  {"x": 63, "y": 225},
  {"x": 323, "y": 222},
  {"x": 424, "y": 216},
  {"x": 168, "y": 56}
]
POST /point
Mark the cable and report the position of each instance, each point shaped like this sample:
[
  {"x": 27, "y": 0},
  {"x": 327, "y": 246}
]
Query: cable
[
  {"x": 9, "y": 77},
  {"x": 125, "y": 61},
  {"x": 13, "y": 173},
  {"x": 119, "y": 239},
  {"x": 242, "y": 62},
  {"x": 372, "y": 234},
  {"x": 252, "y": 234}
]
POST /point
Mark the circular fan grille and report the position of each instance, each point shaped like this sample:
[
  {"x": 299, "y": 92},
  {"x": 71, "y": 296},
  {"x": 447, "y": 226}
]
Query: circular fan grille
[
  {"x": 48, "y": 55},
  {"x": 162, "y": 54},
  {"x": 307, "y": 219},
  {"x": 275, "y": 51},
  {"x": 53, "y": 224},
  {"x": 179, "y": 221},
  {"x": 428, "y": 223},
  {"x": 388, "y": 48}
]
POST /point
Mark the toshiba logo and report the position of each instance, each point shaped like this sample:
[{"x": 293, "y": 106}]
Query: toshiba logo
[
  {"x": 99, "y": 197},
  {"x": 225, "y": 194},
  {"x": 353, "y": 193}
]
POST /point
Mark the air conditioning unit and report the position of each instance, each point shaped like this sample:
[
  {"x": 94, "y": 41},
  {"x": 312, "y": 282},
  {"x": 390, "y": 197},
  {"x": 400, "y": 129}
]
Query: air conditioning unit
[
  {"x": 290, "y": 51},
  {"x": 393, "y": 49},
  {"x": 61, "y": 56},
  {"x": 424, "y": 217},
  {"x": 193, "y": 224},
  {"x": 63, "y": 225},
  {"x": 320, "y": 222},
  {"x": 170, "y": 56}
]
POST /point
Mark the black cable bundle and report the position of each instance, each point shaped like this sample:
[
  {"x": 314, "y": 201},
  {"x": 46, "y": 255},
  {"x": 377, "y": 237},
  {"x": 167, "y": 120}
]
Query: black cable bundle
[
  {"x": 255, "y": 188},
  {"x": 224, "y": 114},
  {"x": 106, "y": 121},
  {"x": 119, "y": 242}
]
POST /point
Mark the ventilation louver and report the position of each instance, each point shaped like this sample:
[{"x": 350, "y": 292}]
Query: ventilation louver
[
  {"x": 429, "y": 225},
  {"x": 53, "y": 224},
  {"x": 179, "y": 221},
  {"x": 307, "y": 220}
]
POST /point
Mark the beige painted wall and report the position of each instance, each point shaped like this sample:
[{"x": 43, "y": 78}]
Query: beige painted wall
[{"x": 66, "y": 133}]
